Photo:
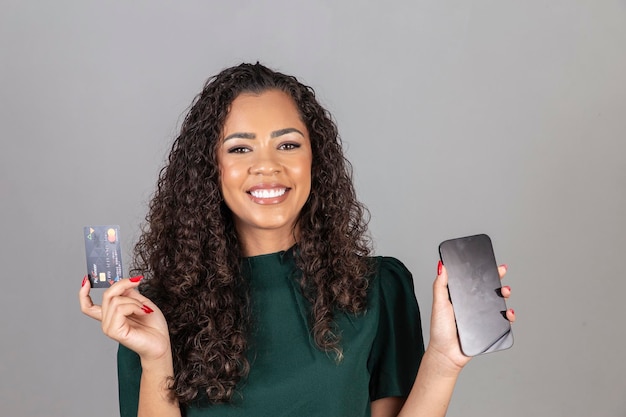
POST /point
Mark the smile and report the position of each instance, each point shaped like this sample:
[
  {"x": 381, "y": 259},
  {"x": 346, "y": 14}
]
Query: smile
[{"x": 271, "y": 193}]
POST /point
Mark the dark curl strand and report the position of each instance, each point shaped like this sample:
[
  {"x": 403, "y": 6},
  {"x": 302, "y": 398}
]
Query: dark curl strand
[{"x": 190, "y": 253}]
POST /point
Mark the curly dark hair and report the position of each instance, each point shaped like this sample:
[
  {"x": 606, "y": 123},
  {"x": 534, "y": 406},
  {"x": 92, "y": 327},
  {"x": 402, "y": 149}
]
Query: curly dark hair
[{"x": 190, "y": 253}]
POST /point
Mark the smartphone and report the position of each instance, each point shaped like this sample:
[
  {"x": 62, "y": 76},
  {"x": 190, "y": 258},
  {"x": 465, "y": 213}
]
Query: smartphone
[{"x": 475, "y": 292}]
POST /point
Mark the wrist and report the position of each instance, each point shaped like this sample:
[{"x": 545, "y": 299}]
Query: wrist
[
  {"x": 440, "y": 363},
  {"x": 162, "y": 364}
]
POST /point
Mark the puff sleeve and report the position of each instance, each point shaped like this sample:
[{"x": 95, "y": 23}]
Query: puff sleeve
[{"x": 398, "y": 346}]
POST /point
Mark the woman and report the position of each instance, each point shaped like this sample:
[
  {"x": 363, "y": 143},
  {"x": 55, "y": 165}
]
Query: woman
[{"x": 260, "y": 297}]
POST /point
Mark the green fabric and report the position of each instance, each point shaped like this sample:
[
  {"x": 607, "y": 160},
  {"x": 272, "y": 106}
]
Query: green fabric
[{"x": 289, "y": 376}]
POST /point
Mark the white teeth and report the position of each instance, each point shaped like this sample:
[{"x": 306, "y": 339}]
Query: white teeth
[{"x": 273, "y": 193}]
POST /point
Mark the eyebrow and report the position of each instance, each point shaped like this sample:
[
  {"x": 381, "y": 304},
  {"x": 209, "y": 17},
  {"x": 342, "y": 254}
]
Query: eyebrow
[
  {"x": 281, "y": 132},
  {"x": 274, "y": 134},
  {"x": 240, "y": 136}
]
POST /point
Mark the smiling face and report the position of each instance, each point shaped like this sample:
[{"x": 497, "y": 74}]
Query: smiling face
[{"x": 265, "y": 167}]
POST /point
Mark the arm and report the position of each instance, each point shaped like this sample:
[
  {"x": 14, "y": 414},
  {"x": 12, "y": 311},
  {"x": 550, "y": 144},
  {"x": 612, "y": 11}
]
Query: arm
[
  {"x": 443, "y": 360},
  {"x": 430, "y": 395},
  {"x": 441, "y": 364},
  {"x": 432, "y": 390},
  {"x": 389, "y": 406},
  {"x": 137, "y": 323},
  {"x": 155, "y": 398}
]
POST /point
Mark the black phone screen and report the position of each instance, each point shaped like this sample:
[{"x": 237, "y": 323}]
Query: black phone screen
[{"x": 475, "y": 293}]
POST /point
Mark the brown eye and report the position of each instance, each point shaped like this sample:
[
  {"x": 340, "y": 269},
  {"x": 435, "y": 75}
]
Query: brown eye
[
  {"x": 238, "y": 149},
  {"x": 289, "y": 146}
]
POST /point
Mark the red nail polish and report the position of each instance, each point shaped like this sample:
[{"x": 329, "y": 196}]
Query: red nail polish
[
  {"x": 147, "y": 309},
  {"x": 512, "y": 311},
  {"x": 507, "y": 287},
  {"x": 136, "y": 279},
  {"x": 84, "y": 281},
  {"x": 439, "y": 267}
]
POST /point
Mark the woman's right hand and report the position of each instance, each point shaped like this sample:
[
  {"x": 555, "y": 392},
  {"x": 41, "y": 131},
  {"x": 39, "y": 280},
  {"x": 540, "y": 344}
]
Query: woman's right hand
[{"x": 129, "y": 318}]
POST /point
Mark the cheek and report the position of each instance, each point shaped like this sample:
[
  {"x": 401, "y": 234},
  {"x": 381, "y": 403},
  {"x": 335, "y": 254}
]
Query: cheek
[
  {"x": 308, "y": 171},
  {"x": 227, "y": 188},
  {"x": 234, "y": 175},
  {"x": 306, "y": 180},
  {"x": 228, "y": 174},
  {"x": 227, "y": 182}
]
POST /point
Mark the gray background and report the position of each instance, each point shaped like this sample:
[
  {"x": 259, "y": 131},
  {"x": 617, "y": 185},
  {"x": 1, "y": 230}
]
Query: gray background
[{"x": 460, "y": 117}]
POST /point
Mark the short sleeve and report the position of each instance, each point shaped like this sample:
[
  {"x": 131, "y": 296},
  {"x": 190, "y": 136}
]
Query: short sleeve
[
  {"x": 129, "y": 379},
  {"x": 398, "y": 346}
]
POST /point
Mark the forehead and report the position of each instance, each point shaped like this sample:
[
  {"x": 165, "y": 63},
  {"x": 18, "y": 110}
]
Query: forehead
[{"x": 271, "y": 109}]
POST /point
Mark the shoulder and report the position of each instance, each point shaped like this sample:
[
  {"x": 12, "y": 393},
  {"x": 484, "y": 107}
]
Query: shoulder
[
  {"x": 390, "y": 273},
  {"x": 391, "y": 282}
]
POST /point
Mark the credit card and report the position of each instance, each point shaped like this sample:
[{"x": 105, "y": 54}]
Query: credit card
[{"x": 104, "y": 255}]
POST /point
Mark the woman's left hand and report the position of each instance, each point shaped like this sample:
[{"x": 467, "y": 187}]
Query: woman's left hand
[{"x": 444, "y": 342}]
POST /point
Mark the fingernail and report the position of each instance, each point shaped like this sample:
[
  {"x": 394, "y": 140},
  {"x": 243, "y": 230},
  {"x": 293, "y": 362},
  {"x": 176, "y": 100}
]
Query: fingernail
[
  {"x": 439, "y": 267},
  {"x": 505, "y": 266},
  {"x": 147, "y": 309},
  {"x": 512, "y": 311},
  {"x": 84, "y": 280},
  {"x": 136, "y": 279},
  {"x": 507, "y": 287}
]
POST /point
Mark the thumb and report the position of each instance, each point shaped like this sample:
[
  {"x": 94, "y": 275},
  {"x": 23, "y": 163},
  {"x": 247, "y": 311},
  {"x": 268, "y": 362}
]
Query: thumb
[{"x": 440, "y": 286}]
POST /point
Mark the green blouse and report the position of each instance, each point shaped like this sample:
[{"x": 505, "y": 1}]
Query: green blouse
[{"x": 289, "y": 376}]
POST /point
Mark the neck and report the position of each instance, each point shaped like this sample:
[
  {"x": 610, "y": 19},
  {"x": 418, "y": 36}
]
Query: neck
[{"x": 265, "y": 241}]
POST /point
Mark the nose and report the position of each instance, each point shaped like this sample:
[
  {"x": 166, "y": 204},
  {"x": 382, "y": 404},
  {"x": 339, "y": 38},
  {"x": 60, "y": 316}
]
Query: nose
[{"x": 265, "y": 163}]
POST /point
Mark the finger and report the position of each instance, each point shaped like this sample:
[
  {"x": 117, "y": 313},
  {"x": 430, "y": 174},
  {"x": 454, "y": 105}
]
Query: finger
[
  {"x": 118, "y": 325},
  {"x": 135, "y": 294},
  {"x": 117, "y": 304},
  {"x": 86, "y": 303},
  {"x": 119, "y": 288},
  {"x": 510, "y": 314},
  {"x": 502, "y": 270},
  {"x": 440, "y": 286},
  {"x": 505, "y": 291},
  {"x": 124, "y": 307}
]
